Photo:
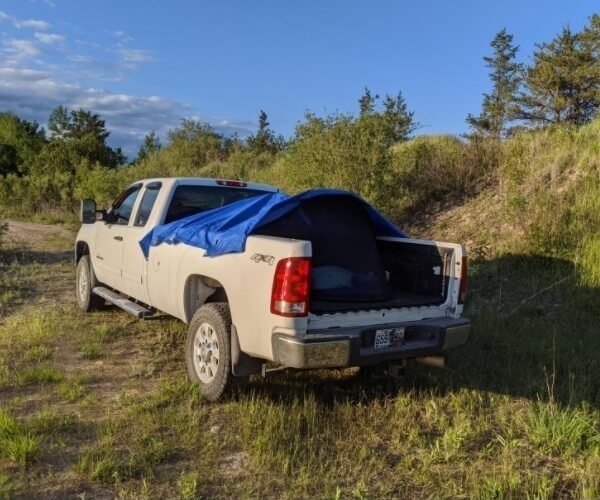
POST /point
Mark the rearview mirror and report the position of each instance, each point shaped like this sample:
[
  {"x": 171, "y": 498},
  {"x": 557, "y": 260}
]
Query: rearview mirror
[{"x": 87, "y": 214}]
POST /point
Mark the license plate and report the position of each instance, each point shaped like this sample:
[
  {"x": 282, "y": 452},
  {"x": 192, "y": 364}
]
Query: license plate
[{"x": 388, "y": 337}]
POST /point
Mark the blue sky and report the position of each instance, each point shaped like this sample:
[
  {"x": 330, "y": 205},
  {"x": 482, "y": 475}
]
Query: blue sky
[{"x": 146, "y": 64}]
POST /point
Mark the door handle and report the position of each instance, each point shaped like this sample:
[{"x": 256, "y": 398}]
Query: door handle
[{"x": 118, "y": 238}]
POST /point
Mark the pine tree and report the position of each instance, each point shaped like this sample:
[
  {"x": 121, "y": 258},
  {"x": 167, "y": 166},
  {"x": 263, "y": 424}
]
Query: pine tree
[
  {"x": 83, "y": 133},
  {"x": 264, "y": 140},
  {"x": 395, "y": 121},
  {"x": 367, "y": 102},
  {"x": 398, "y": 119},
  {"x": 59, "y": 122},
  {"x": 150, "y": 145},
  {"x": 498, "y": 109},
  {"x": 563, "y": 84},
  {"x": 87, "y": 123}
]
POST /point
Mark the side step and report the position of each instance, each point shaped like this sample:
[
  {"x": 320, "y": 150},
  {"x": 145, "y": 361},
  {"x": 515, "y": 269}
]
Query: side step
[{"x": 127, "y": 305}]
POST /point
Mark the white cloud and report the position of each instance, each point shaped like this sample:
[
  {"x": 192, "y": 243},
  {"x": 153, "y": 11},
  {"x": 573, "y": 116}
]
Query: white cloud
[
  {"x": 80, "y": 58},
  {"x": 133, "y": 57},
  {"x": 32, "y": 94},
  {"x": 121, "y": 35},
  {"x": 24, "y": 23},
  {"x": 33, "y": 24},
  {"x": 49, "y": 38},
  {"x": 38, "y": 73},
  {"x": 19, "y": 49}
]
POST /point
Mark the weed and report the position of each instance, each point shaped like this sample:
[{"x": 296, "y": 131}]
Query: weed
[
  {"x": 100, "y": 465},
  {"x": 48, "y": 421},
  {"x": 557, "y": 431},
  {"x": 91, "y": 350},
  {"x": 21, "y": 448},
  {"x": 40, "y": 375},
  {"x": 72, "y": 390},
  {"x": 104, "y": 333},
  {"x": 188, "y": 486},
  {"x": 15, "y": 442},
  {"x": 38, "y": 353}
]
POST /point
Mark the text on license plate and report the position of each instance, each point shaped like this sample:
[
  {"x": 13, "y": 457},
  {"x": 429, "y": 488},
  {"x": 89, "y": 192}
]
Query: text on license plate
[{"x": 387, "y": 337}]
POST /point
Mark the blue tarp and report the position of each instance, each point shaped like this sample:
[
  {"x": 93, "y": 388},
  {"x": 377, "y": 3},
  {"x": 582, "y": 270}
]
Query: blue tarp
[{"x": 225, "y": 229}]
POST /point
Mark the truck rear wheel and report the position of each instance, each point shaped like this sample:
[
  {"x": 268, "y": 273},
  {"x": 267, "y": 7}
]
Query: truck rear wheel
[
  {"x": 86, "y": 281},
  {"x": 208, "y": 349}
]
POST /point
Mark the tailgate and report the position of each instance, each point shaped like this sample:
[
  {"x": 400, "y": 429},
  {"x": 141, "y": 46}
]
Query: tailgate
[{"x": 424, "y": 277}]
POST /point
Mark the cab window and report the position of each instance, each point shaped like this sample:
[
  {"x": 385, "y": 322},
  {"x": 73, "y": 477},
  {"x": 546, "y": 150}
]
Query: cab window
[
  {"x": 147, "y": 204},
  {"x": 190, "y": 199},
  {"x": 124, "y": 205}
]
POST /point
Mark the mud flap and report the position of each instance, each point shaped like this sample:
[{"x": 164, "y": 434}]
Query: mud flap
[{"x": 242, "y": 364}]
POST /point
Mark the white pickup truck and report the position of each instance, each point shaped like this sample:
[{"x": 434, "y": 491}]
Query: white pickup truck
[{"x": 340, "y": 297}]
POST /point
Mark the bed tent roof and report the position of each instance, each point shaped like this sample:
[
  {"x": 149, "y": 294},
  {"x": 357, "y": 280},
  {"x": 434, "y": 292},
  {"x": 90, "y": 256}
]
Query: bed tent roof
[{"x": 225, "y": 230}]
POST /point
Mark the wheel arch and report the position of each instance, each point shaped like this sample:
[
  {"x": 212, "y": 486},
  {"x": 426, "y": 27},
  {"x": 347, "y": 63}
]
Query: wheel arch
[
  {"x": 81, "y": 249},
  {"x": 200, "y": 289}
]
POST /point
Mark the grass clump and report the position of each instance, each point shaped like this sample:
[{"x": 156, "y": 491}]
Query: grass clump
[
  {"x": 101, "y": 465},
  {"x": 188, "y": 486},
  {"x": 38, "y": 353},
  {"x": 15, "y": 442},
  {"x": 92, "y": 350},
  {"x": 72, "y": 390},
  {"x": 105, "y": 333},
  {"x": 567, "y": 431},
  {"x": 42, "y": 374},
  {"x": 33, "y": 327},
  {"x": 49, "y": 421},
  {"x": 99, "y": 335}
]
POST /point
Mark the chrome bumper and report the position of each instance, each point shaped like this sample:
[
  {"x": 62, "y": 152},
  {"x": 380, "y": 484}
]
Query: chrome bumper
[{"x": 347, "y": 347}]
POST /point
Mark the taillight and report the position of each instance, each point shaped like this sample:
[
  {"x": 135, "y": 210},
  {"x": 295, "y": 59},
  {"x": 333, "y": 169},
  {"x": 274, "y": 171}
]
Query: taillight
[
  {"x": 238, "y": 184},
  {"x": 291, "y": 287},
  {"x": 462, "y": 291}
]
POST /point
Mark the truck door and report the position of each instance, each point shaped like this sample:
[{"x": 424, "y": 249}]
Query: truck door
[
  {"x": 134, "y": 262},
  {"x": 108, "y": 257}
]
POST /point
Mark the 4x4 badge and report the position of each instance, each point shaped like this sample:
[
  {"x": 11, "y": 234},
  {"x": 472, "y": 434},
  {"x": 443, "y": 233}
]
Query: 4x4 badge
[{"x": 259, "y": 257}]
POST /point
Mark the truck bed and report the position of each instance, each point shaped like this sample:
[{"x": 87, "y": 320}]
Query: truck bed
[{"x": 354, "y": 270}]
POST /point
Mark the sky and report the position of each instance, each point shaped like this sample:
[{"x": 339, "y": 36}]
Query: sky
[{"x": 146, "y": 64}]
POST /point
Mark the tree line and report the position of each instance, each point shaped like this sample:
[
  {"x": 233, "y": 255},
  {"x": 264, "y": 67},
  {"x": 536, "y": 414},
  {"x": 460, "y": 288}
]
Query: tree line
[
  {"x": 561, "y": 86},
  {"x": 52, "y": 168}
]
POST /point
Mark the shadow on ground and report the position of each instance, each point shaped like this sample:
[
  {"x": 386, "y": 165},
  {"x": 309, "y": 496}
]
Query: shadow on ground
[{"x": 23, "y": 257}]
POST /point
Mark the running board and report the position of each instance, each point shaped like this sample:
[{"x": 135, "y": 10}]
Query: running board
[{"x": 127, "y": 305}]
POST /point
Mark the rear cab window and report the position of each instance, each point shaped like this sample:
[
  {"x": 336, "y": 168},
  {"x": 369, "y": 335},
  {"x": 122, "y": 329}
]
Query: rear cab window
[
  {"x": 147, "y": 203},
  {"x": 193, "y": 199}
]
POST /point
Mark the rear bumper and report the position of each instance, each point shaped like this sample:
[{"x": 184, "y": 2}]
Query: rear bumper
[{"x": 345, "y": 347}]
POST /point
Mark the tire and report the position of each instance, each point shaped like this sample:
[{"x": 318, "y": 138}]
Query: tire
[
  {"x": 208, "y": 350},
  {"x": 85, "y": 283}
]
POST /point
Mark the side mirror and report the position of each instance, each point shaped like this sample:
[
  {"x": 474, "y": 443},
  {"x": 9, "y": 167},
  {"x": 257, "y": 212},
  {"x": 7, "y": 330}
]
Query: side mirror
[
  {"x": 87, "y": 213},
  {"x": 107, "y": 217}
]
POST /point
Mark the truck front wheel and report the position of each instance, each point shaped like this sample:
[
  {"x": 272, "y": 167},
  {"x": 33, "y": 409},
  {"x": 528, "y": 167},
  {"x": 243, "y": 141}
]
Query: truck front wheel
[
  {"x": 86, "y": 281},
  {"x": 208, "y": 349}
]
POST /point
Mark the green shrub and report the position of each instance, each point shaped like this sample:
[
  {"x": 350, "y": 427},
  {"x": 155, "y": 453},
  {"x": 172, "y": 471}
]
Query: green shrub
[
  {"x": 343, "y": 152},
  {"x": 429, "y": 168}
]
